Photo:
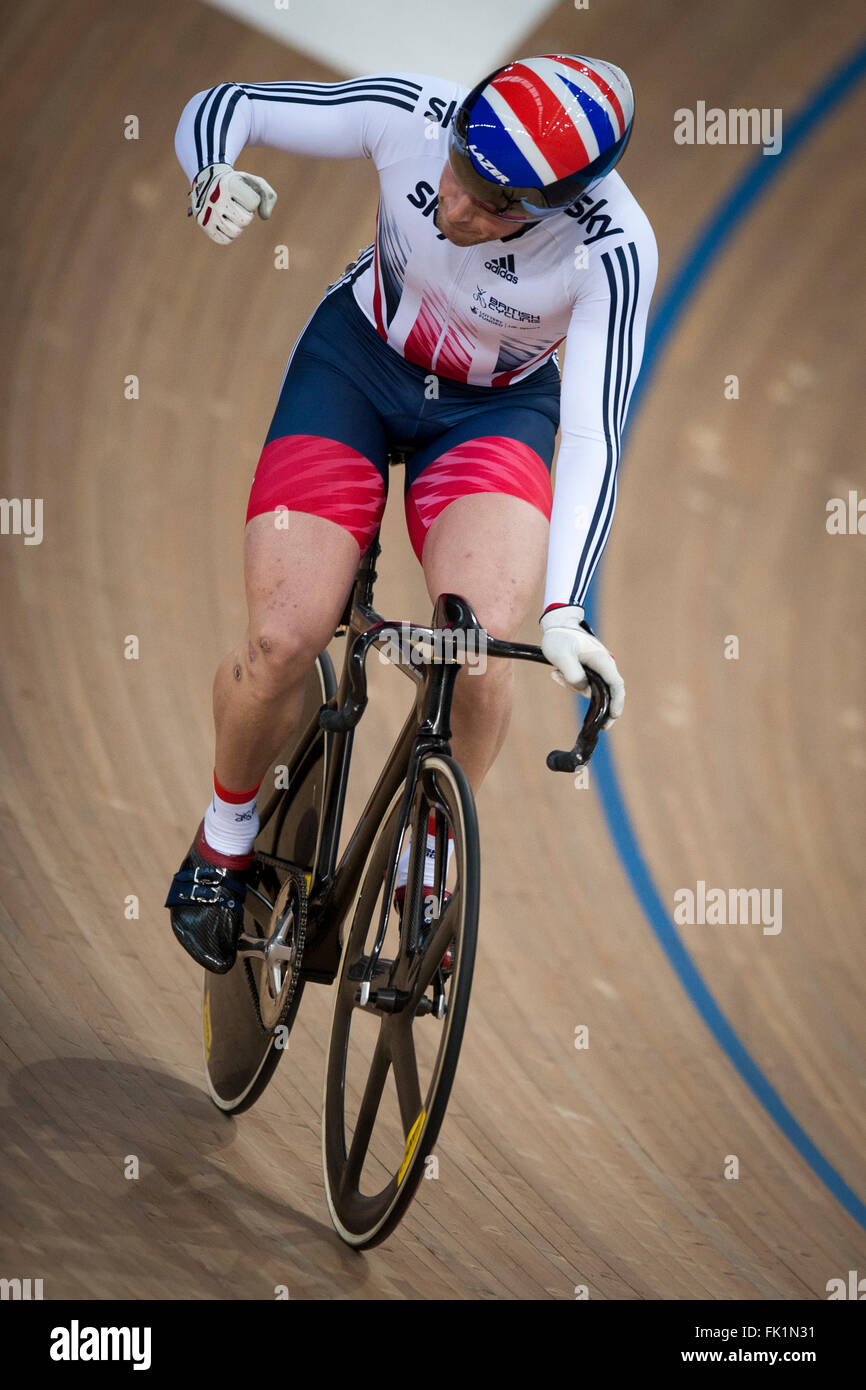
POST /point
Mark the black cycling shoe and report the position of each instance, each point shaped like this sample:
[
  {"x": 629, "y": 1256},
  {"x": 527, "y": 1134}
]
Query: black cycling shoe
[{"x": 206, "y": 899}]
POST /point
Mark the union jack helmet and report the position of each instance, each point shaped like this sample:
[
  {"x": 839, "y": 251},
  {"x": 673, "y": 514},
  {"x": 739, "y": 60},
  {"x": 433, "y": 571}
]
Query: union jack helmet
[{"x": 536, "y": 134}]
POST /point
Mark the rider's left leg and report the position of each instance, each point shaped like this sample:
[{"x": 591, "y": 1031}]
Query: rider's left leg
[{"x": 490, "y": 548}]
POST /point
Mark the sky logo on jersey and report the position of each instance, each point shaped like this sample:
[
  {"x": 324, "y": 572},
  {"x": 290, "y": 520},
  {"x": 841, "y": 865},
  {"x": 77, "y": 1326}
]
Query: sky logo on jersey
[{"x": 504, "y": 266}]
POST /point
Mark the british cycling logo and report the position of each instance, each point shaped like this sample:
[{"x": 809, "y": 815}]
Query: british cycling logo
[
  {"x": 501, "y": 310},
  {"x": 77, "y": 1343},
  {"x": 480, "y": 298},
  {"x": 509, "y": 312}
]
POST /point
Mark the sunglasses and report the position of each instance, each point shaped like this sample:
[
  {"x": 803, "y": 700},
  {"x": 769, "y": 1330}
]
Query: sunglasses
[
  {"x": 471, "y": 185},
  {"x": 504, "y": 216},
  {"x": 460, "y": 168}
]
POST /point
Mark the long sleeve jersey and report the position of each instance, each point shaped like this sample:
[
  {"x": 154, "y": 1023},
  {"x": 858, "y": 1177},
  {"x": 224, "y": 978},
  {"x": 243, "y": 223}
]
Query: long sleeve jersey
[{"x": 489, "y": 314}]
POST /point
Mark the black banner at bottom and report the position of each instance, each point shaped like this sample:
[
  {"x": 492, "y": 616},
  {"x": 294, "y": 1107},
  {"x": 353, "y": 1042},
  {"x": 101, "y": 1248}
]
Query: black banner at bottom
[{"x": 83, "y": 1338}]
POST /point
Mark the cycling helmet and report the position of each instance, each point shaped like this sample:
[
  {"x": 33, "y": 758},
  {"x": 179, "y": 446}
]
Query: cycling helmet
[{"x": 535, "y": 135}]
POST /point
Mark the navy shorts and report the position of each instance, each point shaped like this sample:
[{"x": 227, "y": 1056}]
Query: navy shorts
[{"x": 347, "y": 398}]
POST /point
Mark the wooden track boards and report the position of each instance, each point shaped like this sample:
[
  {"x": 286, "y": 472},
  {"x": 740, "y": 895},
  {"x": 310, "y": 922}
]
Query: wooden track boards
[{"x": 600, "y": 1167}]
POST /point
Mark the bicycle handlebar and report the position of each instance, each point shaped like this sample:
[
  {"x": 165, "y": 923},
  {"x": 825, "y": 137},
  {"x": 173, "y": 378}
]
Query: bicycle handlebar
[
  {"x": 339, "y": 721},
  {"x": 562, "y": 760},
  {"x": 559, "y": 760}
]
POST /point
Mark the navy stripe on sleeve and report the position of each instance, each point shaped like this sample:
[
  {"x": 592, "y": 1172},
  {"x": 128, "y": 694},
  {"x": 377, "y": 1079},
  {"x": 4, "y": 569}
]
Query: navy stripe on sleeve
[
  {"x": 215, "y": 109},
  {"x": 390, "y": 91},
  {"x": 210, "y": 99},
  {"x": 616, "y": 390}
]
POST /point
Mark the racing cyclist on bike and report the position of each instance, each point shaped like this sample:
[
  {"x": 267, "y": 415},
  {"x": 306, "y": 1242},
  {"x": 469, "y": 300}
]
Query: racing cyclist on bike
[{"x": 502, "y": 232}]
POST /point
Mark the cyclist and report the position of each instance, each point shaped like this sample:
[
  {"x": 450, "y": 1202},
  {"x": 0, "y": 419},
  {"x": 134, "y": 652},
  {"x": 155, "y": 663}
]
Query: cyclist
[{"x": 502, "y": 231}]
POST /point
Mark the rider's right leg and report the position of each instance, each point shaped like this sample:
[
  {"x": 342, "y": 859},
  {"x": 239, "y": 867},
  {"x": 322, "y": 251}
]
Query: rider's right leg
[
  {"x": 316, "y": 503},
  {"x": 299, "y": 570},
  {"x": 298, "y": 576}
]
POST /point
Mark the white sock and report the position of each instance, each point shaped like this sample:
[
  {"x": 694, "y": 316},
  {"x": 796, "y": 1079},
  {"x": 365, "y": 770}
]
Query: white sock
[
  {"x": 231, "y": 822},
  {"x": 429, "y": 862}
]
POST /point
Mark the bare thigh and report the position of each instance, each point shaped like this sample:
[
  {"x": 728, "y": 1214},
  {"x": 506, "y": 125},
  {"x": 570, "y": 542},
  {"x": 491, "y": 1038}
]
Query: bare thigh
[
  {"x": 491, "y": 549},
  {"x": 298, "y": 577}
]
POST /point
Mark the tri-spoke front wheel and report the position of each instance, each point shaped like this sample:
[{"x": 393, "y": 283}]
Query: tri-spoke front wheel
[{"x": 399, "y": 1012}]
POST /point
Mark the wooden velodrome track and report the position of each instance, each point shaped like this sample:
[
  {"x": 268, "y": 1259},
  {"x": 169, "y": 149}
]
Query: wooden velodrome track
[{"x": 559, "y": 1167}]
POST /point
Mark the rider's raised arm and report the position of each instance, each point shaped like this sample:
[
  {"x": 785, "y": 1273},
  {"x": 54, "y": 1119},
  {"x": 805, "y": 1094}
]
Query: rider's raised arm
[
  {"x": 603, "y": 350},
  {"x": 330, "y": 120}
]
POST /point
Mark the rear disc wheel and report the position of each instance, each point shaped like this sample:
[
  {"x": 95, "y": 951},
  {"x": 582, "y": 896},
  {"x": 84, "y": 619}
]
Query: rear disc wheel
[{"x": 247, "y": 1014}]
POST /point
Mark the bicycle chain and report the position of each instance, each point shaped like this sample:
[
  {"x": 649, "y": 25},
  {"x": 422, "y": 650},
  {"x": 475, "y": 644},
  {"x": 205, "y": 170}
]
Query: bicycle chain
[{"x": 300, "y": 944}]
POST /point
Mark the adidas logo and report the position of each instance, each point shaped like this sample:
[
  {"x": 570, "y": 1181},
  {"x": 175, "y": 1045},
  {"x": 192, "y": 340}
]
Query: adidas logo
[{"x": 504, "y": 266}]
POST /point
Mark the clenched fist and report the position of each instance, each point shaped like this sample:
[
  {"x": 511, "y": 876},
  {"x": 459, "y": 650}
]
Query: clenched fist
[{"x": 222, "y": 200}]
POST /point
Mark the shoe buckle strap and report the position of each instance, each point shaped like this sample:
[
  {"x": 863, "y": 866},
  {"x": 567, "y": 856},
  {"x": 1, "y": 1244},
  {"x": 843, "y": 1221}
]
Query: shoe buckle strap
[{"x": 208, "y": 884}]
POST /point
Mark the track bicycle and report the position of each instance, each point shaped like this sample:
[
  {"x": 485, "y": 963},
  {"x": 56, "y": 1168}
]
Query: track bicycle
[{"x": 401, "y": 975}]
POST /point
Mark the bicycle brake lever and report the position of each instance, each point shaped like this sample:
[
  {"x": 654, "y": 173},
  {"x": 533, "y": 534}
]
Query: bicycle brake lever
[{"x": 568, "y": 760}]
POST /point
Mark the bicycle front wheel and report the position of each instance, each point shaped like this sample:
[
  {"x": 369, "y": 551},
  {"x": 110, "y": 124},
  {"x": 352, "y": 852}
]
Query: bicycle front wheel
[{"x": 395, "y": 1038}]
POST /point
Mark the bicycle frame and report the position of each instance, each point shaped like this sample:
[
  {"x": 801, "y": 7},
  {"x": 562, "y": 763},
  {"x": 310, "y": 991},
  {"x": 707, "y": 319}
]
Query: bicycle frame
[{"x": 427, "y": 728}]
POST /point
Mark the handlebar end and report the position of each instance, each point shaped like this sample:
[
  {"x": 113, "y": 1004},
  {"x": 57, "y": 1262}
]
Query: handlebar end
[
  {"x": 339, "y": 721},
  {"x": 563, "y": 760}
]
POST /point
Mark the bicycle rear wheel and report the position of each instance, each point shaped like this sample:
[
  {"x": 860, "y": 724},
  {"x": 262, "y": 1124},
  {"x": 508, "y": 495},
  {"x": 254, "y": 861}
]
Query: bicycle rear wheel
[
  {"x": 392, "y": 1058},
  {"x": 247, "y": 1014}
]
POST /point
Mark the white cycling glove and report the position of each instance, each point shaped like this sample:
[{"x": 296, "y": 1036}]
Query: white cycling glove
[
  {"x": 570, "y": 647},
  {"x": 222, "y": 200}
]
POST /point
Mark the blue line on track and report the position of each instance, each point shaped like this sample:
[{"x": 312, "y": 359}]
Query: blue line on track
[{"x": 710, "y": 241}]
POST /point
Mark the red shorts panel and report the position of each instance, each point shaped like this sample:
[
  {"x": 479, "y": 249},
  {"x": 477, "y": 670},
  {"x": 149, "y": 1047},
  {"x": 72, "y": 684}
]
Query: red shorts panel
[
  {"x": 309, "y": 473},
  {"x": 488, "y": 464}
]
